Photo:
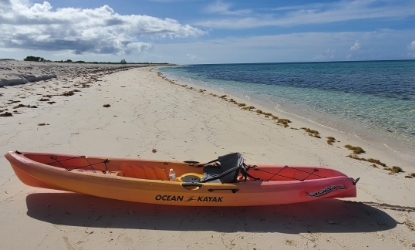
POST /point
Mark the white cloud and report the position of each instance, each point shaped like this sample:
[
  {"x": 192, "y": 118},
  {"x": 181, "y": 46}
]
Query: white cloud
[
  {"x": 412, "y": 46},
  {"x": 223, "y": 8},
  {"x": 293, "y": 47},
  {"x": 356, "y": 46},
  {"x": 100, "y": 30},
  {"x": 191, "y": 56},
  {"x": 325, "y": 55},
  {"x": 313, "y": 14}
]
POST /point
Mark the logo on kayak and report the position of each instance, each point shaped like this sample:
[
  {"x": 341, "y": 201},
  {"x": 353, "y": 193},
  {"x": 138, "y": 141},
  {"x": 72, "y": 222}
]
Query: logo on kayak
[
  {"x": 181, "y": 198},
  {"x": 326, "y": 190}
]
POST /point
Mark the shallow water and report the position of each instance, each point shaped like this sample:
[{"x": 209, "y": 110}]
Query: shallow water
[{"x": 372, "y": 100}]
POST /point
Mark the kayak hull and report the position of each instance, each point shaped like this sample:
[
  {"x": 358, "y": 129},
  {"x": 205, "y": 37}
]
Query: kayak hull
[{"x": 146, "y": 181}]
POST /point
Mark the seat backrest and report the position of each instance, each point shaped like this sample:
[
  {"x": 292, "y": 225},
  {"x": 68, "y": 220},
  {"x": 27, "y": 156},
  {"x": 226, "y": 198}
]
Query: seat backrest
[{"x": 230, "y": 161}]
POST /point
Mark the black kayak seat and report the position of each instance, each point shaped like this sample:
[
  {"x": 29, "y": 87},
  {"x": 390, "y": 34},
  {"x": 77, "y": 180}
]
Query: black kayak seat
[{"x": 227, "y": 171}]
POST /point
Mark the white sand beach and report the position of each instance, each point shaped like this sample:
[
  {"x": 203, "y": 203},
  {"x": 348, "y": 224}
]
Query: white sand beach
[{"x": 153, "y": 118}]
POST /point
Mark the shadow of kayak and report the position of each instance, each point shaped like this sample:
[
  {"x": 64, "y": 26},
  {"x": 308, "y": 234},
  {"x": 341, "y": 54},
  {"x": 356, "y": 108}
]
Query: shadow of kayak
[{"x": 333, "y": 216}]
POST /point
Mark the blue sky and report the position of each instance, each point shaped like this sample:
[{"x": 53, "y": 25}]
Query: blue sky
[{"x": 201, "y": 31}]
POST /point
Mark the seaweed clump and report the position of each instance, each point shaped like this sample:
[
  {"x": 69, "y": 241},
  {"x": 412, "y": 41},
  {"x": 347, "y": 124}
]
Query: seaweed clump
[
  {"x": 394, "y": 170},
  {"x": 311, "y": 132},
  {"x": 356, "y": 150},
  {"x": 248, "y": 108},
  {"x": 411, "y": 175},
  {"x": 375, "y": 163},
  {"x": 330, "y": 140},
  {"x": 284, "y": 122},
  {"x": 6, "y": 114}
]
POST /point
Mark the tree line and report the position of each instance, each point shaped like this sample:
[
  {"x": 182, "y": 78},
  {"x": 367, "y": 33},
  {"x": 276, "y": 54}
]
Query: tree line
[{"x": 41, "y": 59}]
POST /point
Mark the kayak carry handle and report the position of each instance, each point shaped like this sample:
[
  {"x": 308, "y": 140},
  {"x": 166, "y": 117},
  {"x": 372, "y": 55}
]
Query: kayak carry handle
[
  {"x": 234, "y": 190},
  {"x": 194, "y": 164},
  {"x": 191, "y": 184},
  {"x": 191, "y": 162},
  {"x": 356, "y": 180}
]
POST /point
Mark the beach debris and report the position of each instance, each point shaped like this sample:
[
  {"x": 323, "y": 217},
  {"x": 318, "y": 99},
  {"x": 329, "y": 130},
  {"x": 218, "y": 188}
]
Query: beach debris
[
  {"x": 284, "y": 122},
  {"x": 85, "y": 85},
  {"x": 248, "y": 108},
  {"x": 43, "y": 100},
  {"x": 19, "y": 106},
  {"x": 241, "y": 104},
  {"x": 311, "y": 132},
  {"x": 330, "y": 140},
  {"x": 68, "y": 93},
  {"x": 356, "y": 150},
  {"x": 258, "y": 111},
  {"x": 394, "y": 170},
  {"x": 289, "y": 242},
  {"x": 371, "y": 160},
  {"x": 52, "y": 102},
  {"x": 106, "y": 105},
  {"x": 43, "y": 124},
  {"x": 411, "y": 175},
  {"x": 6, "y": 114},
  {"x": 410, "y": 224},
  {"x": 154, "y": 150}
]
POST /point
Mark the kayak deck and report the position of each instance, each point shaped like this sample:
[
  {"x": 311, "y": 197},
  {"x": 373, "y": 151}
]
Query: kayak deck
[
  {"x": 159, "y": 170},
  {"x": 147, "y": 181}
]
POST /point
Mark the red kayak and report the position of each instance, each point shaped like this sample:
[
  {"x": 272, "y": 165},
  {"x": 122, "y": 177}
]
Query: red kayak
[{"x": 226, "y": 181}]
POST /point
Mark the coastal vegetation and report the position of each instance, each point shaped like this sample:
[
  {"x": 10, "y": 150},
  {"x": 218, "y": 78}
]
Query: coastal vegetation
[{"x": 123, "y": 61}]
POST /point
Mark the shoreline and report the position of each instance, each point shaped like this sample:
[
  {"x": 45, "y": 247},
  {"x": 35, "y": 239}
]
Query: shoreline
[
  {"x": 15, "y": 72},
  {"x": 362, "y": 136},
  {"x": 391, "y": 154},
  {"x": 137, "y": 114}
]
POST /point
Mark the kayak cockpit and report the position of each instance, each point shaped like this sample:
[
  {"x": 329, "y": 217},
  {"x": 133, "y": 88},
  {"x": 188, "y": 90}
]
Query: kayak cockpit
[{"x": 186, "y": 172}]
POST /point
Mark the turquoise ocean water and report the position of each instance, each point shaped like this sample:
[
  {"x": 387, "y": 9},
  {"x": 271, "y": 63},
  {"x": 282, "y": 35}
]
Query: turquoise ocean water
[{"x": 373, "y": 100}]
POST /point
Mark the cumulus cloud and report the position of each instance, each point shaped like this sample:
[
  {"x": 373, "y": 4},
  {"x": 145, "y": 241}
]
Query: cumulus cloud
[
  {"x": 100, "y": 30},
  {"x": 356, "y": 46}
]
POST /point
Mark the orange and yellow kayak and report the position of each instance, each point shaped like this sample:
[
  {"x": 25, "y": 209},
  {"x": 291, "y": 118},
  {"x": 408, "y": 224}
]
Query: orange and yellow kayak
[{"x": 147, "y": 181}]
